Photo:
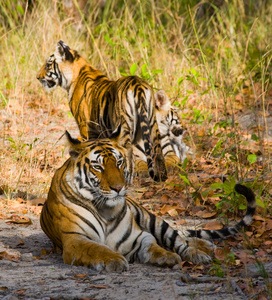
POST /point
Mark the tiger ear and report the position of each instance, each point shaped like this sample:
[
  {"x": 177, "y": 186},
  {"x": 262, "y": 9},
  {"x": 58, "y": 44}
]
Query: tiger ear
[
  {"x": 162, "y": 100},
  {"x": 116, "y": 134},
  {"x": 74, "y": 144},
  {"x": 63, "y": 53}
]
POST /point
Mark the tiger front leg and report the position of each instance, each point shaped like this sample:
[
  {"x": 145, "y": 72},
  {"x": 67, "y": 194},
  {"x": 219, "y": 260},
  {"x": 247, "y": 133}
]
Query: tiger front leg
[
  {"x": 160, "y": 172},
  {"x": 83, "y": 252},
  {"x": 151, "y": 252}
]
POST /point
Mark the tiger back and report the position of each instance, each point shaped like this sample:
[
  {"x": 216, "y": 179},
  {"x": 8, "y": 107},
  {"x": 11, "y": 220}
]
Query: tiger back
[
  {"x": 91, "y": 220},
  {"x": 101, "y": 105}
]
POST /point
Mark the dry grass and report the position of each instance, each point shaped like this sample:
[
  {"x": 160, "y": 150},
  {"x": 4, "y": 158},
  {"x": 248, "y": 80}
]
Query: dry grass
[{"x": 231, "y": 51}]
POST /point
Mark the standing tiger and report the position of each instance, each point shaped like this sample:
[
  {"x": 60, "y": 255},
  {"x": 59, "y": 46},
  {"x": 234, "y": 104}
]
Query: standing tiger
[
  {"x": 101, "y": 105},
  {"x": 88, "y": 216}
]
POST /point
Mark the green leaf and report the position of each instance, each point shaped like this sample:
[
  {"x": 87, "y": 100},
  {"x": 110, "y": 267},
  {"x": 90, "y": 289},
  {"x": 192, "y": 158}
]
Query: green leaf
[
  {"x": 251, "y": 158},
  {"x": 185, "y": 179},
  {"x": 157, "y": 71},
  {"x": 260, "y": 203},
  {"x": 228, "y": 187},
  {"x": 194, "y": 72},
  {"x": 180, "y": 80},
  {"x": 133, "y": 69},
  {"x": 254, "y": 137},
  {"x": 108, "y": 39},
  {"x": 144, "y": 67},
  {"x": 217, "y": 185},
  {"x": 20, "y": 9}
]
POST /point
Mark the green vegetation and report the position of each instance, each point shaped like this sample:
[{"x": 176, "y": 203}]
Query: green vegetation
[{"x": 212, "y": 65}]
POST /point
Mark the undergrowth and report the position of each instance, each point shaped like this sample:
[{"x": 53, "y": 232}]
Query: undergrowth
[{"x": 214, "y": 66}]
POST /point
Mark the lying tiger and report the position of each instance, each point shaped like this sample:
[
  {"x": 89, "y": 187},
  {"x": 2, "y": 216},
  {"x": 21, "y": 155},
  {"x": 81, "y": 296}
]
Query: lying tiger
[
  {"x": 88, "y": 216},
  {"x": 101, "y": 105}
]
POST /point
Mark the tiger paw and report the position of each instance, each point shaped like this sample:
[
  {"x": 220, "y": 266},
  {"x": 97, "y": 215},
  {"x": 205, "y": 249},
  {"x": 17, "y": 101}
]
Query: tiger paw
[
  {"x": 113, "y": 264},
  {"x": 98, "y": 257},
  {"x": 198, "y": 251},
  {"x": 162, "y": 257}
]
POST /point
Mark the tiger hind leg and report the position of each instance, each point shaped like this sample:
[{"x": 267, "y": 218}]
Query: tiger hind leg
[{"x": 150, "y": 252}]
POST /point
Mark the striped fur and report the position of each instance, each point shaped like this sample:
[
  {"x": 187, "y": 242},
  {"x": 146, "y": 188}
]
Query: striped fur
[
  {"x": 171, "y": 132},
  {"x": 88, "y": 216},
  {"x": 100, "y": 105}
]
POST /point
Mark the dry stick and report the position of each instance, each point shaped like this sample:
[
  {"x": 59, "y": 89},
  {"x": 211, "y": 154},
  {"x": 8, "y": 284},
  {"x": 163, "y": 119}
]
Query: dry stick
[{"x": 236, "y": 287}]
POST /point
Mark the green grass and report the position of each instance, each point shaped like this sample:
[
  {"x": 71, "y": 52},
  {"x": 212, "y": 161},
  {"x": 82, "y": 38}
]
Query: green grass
[{"x": 205, "y": 62}]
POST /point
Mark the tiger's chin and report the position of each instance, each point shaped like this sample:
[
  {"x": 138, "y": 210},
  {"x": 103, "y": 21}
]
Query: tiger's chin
[
  {"x": 48, "y": 84},
  {"x": 116, "y": 201}
]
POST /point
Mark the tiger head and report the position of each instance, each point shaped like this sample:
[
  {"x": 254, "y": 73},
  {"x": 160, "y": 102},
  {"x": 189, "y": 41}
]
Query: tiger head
[
  {"x": 169, "y": 124},
  {"x": 99, "y": 171},
  {"x": 61, "y": 68}
]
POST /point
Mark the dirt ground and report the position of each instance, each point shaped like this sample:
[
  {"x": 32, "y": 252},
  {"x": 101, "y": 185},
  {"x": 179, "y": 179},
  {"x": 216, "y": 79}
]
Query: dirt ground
[{"x": 29, "y": 270}]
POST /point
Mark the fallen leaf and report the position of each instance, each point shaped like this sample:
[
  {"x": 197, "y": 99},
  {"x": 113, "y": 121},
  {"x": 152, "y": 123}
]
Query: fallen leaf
[
  {"x": 43, "y": 252},
  {"x": 5, "y": 255},
  {"x": 15, "y": 219},
  {"x": 172, "y": 212},
  {"x": 166, "y": 208},
  {"x": 97, "y": 286},
  {"x": 205, "y": 214},
  {"x": 221, "y": 253},
  {"x": 268, "y": 224},
  {"x": 213, "y": 225},
  {"x": 165, "y": 198},
  {"x": 80, "y": 275}
]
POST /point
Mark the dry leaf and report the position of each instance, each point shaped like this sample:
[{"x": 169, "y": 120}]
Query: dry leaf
[
  {"x": 166, "y": 208},
  {"x": 15, "y": 219},
  {"x": 80, "y": 275},
  {"x": 220, "y": 253},
  {"x": 165, "y": 198},
  {"x": 205, "y": 214},
  {"x": 173, "y": 212},
  {"x": 5, "y": 255},
  {"x": 213, "y": 225},
  {"x": 97, "y": 286},
  {"x": 43, "y": 252}
]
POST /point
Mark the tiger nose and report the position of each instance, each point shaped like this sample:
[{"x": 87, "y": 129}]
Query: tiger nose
[{"x": 117, "y": 187}]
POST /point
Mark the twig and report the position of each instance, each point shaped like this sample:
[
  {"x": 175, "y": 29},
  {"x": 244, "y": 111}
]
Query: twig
[{"x": 236, "y": 287}]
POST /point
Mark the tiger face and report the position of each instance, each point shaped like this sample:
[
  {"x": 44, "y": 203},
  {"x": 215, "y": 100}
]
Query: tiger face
[
  {"x": 61, "y": 68},
  {"x": 100, "y": 171}
]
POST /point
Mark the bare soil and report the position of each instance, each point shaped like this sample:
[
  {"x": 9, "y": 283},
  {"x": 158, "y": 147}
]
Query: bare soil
[{"x": 30, "y": 270}]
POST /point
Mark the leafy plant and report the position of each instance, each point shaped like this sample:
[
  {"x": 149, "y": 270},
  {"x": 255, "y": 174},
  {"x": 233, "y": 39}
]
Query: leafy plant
[
  {"x": 216, "y": 269},
  {"x": 145, "y": 74}
]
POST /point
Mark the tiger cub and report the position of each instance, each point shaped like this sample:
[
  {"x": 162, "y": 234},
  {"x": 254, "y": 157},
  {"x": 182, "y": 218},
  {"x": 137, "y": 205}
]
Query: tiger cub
[
  {"x": 89, "y": 217},
  {"x": 171, "y": 132},
  {"x": 101, "y": 105}
]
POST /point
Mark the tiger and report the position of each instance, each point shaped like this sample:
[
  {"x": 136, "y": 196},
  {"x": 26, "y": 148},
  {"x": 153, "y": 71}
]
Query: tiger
[
  {"x": 171, "y": 132},
  {"x": 92, "y": 221},
  {"x": 100, "y": 105}
]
